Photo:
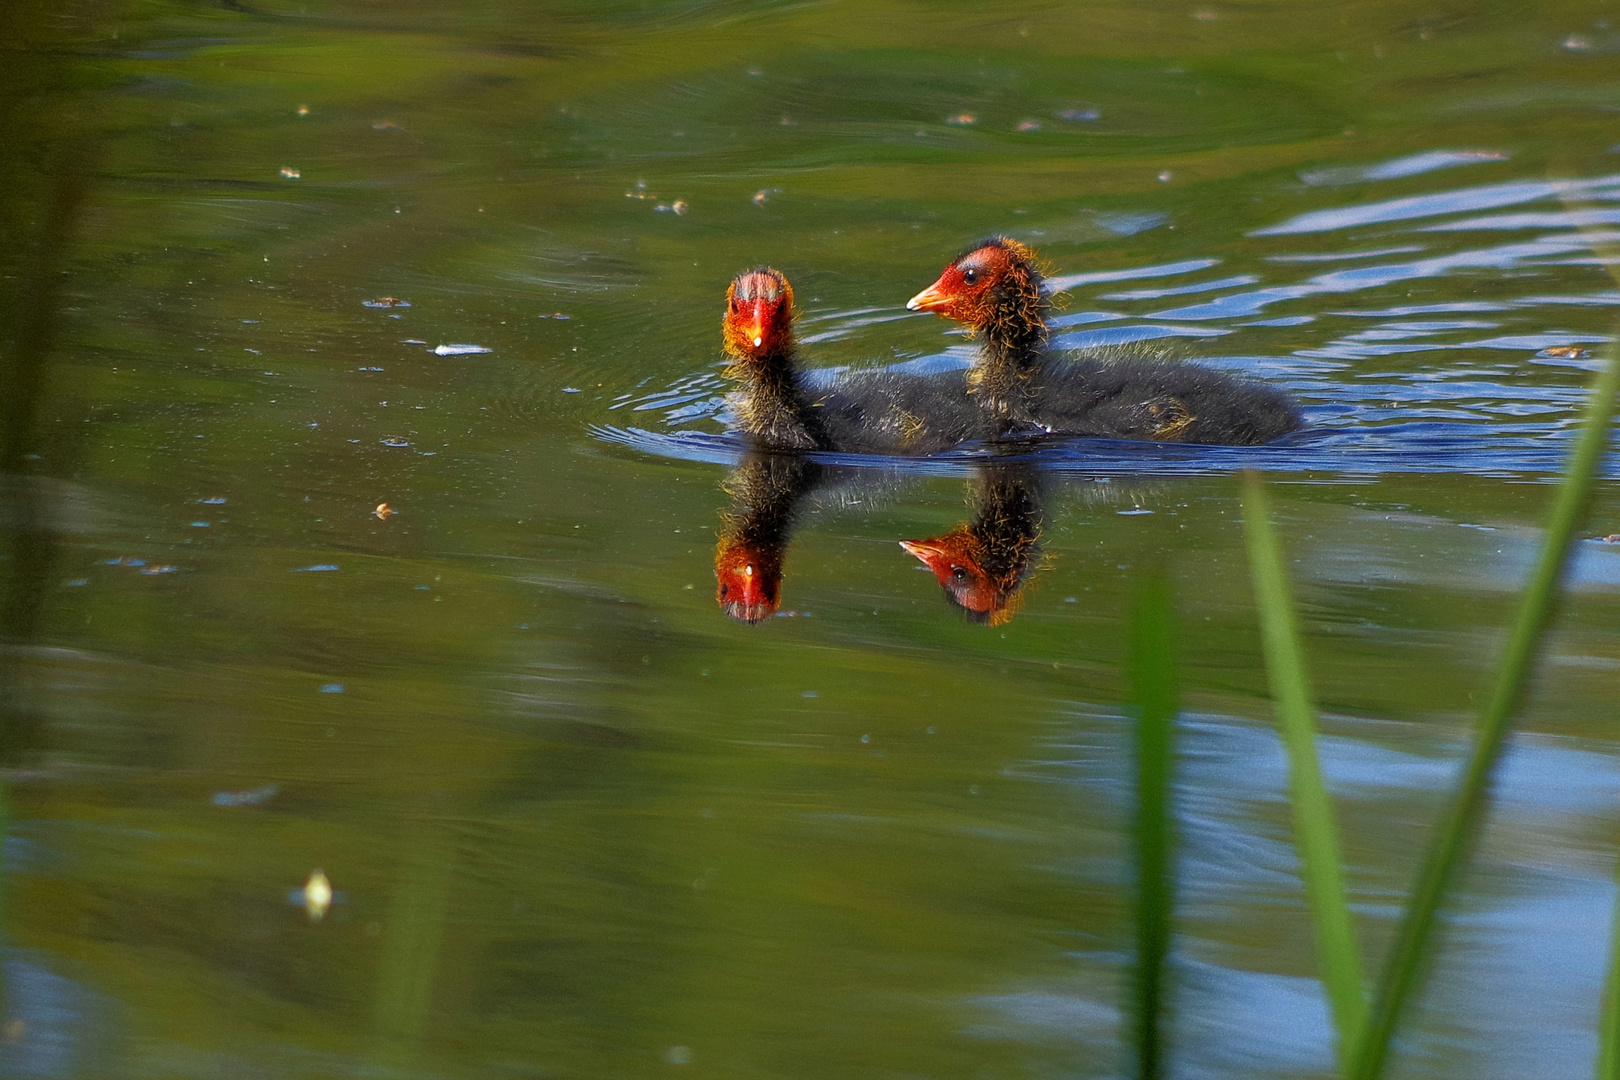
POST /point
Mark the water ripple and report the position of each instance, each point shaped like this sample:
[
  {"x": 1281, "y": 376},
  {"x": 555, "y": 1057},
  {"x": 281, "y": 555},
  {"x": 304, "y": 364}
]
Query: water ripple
[{"x": 1427, "y": 386}]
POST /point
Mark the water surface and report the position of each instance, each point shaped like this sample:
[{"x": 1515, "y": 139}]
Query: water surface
[{"x": 579, "y": 822}]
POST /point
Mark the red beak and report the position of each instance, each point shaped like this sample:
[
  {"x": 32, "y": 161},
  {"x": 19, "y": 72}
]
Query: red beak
[{"x": 756, "y": 317}]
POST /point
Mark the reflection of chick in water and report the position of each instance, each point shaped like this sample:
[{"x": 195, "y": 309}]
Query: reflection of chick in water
[
  {"x": 766, "y": 490},
  {"x": 983, "y": 563}
]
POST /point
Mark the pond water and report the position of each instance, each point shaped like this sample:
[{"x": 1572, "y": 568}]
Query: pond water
[{"x": 579, "y": 822}]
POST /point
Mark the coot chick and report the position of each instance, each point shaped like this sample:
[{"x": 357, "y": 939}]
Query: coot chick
[
  {"x": 872, "y": 412},
  {"x": 996, "y": 289}
]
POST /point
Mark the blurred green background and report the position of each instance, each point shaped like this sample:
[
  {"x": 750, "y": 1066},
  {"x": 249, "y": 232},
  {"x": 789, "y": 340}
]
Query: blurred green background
[{"x": 580, "y": 824}]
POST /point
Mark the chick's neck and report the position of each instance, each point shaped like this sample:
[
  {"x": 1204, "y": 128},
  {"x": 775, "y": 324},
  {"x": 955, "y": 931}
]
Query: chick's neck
[
  {"x": 773, "y": 404},
  {"x": 1012, "y": 351}
]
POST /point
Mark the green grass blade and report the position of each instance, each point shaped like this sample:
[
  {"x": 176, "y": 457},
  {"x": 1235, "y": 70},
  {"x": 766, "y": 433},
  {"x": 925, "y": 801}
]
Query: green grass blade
[
  {"x": 1608, "y": 1062},
  {"x": 1314, "y": 834},
  {"x": 1405, "y": 966},
  {"x": 1153, "y": 684}
]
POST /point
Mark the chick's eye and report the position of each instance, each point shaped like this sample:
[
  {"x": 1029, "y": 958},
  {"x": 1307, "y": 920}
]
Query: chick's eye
[
  {"x": 970, "y": 276},
  {"x": 959, "y": 573}
]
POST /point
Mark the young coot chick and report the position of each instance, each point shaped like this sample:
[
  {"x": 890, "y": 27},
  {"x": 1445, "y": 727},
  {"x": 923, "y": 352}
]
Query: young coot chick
[
  {"x": 874, "y": 412},
  {"x": 996, "y": 288}
]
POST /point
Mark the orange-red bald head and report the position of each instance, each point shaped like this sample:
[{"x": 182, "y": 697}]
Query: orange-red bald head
[
  {"x": 957, "y": 560},
  {"x": 759, "y": 315},
  {"x": 990, "y": 282},
  {"x": 749, "y": 581}
]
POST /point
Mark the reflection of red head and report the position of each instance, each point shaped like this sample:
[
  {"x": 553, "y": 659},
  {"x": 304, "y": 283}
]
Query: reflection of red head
[
  {"x": 750, "y": 581},
  {"x": 957, "y": 560},
  {"x": 759, "y": 315}
]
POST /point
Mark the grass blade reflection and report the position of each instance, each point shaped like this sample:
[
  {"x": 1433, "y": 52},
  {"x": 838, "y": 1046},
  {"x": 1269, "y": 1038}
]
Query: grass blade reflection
[
  {"x": 1315, "y": 836},
  {"x": 1153, "y": 683},
  {"x": 1406, "y": 963}
]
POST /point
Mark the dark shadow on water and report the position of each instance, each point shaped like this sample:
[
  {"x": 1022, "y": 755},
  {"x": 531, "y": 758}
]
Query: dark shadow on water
[
  {"x": 49, "y": 1024},
  {"x": 46, "y": 178}
]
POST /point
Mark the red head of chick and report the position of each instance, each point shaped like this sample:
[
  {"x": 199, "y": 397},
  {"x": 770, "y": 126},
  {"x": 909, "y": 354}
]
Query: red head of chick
[
  {"x": 750, "y": 581},
  {"x": 759, "y": 316},
  {"x": 996, "y": 288},
  {"x": 957, "y": 560}
]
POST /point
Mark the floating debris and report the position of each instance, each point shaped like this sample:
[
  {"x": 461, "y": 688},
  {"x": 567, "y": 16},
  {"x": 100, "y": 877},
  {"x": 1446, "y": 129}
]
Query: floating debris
[
  {"x": 962, "y": 119},
  {"x": 252, "y": 797},
  {"x": 1164, "y": 177},
  {"x": 384, "y": 125},
  {"x": 369, "y": 368},
  {"x": 1029, "y": 125},
  {"x": 460, "y": 350},
  {"x": 554, "y": 315},
  {"x": 126, "y": 560},
  {"x": 386, "y": 301},
  {"x": 161, "y": 569},
  {"x": 640, "y": 191},
  {"x": 383, "y": 512},
  {"x": 332, "y": 688},
  {"x": 1080, "y": 116},
  {"x": 291, "y": 174},
  {"x": 214, "y": 500},
  {"x": 317, "y": 568},
  {"x": 317, "y": 895},
  {"x": 78, "y": 581},
  {"x": 303, "y": 110},
  {"x": 413, "y": 341},
  {"x": 570, "y": 389},
  {"x": 763, "y": 195},
  {"x": 1565, "y": 352}
]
